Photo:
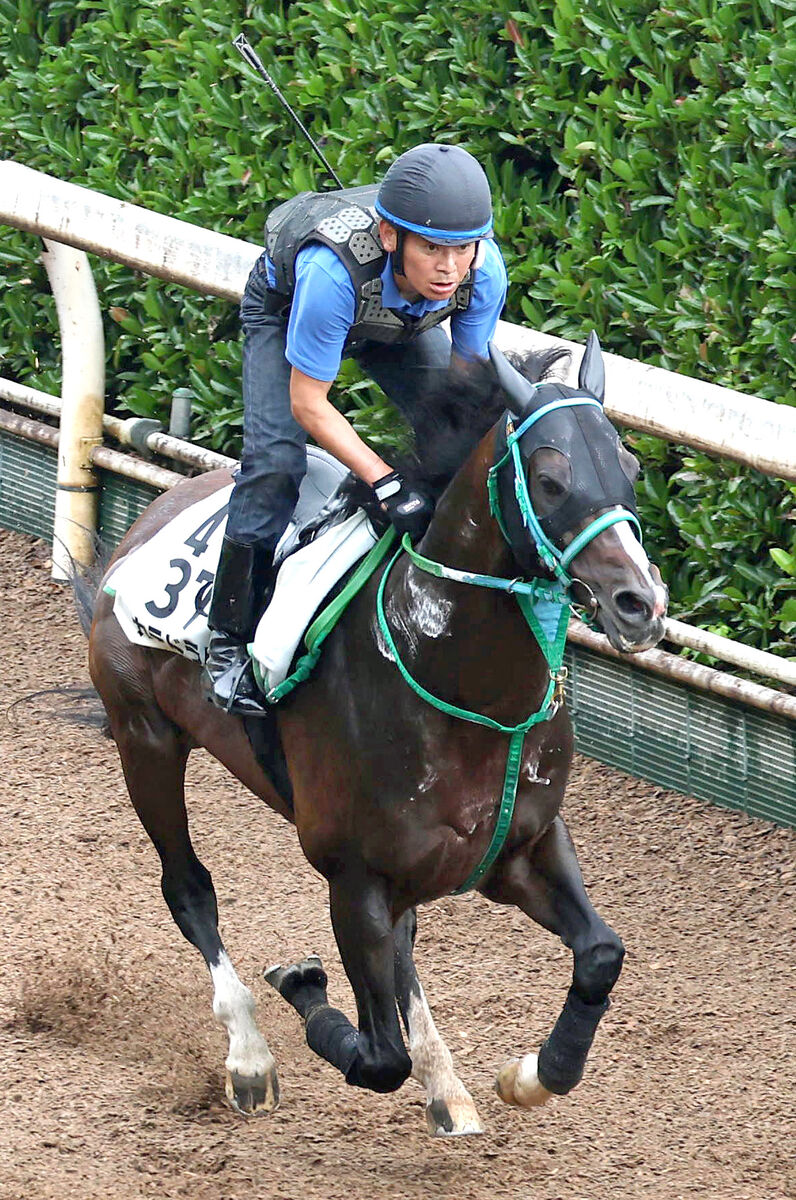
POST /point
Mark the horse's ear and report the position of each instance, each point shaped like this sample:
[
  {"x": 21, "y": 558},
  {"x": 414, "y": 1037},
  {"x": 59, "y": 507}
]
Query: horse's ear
[
  {"x": 591, "y": 376},
  {"x": 519, "y": 392}
]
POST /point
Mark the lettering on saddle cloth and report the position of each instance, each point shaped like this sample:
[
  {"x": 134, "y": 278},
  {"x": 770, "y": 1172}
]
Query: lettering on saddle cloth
[{"x": 162, "y": 589}]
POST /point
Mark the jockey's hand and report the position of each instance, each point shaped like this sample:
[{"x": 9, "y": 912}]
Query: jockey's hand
[{"x": 408, "y": 510}]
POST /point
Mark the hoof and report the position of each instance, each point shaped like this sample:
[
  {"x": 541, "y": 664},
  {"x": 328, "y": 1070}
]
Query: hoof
[
  {"x": 453, "y": 1118},
  {"x": 518, "y": 1083},
  {"x": 252, "y": 1096},
  {"x": 290, "y": 981}
]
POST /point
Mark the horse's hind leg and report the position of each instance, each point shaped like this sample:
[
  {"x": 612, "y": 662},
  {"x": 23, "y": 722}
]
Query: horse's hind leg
[
  {"x": 546, "y": 883},
  {"x": 154, "y": 755},
  {"x": 449, "y": 1106},
  {"x": 373, "y": 1055}
]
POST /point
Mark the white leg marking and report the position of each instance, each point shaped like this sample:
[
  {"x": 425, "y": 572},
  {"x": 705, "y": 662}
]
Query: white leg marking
[
  {"x": 251, "y": 1071},
  {"x": 448, "y": 1103},
  {"x": 518, "y": 1083}
]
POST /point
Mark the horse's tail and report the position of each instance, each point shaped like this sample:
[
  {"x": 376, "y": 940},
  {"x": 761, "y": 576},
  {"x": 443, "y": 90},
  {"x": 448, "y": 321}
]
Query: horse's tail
[
  {"x": 84, "y": 582},
  {"x": 82, "y": 705}
]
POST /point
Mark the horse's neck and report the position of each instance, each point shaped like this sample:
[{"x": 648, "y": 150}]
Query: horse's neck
[
  {"x": 468, "y": 640},
  {"x": 464, "y": 534}
]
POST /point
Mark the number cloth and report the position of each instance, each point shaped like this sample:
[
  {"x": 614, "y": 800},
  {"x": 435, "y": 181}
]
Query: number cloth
[{"x": 162, "y": 589}]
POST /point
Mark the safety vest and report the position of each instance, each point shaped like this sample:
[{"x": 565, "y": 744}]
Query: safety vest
[{"x": 348, "y": 224}]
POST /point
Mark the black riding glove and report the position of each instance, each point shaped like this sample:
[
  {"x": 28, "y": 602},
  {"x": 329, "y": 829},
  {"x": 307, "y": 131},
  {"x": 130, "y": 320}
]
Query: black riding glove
[{"x": 408, "y": 509}]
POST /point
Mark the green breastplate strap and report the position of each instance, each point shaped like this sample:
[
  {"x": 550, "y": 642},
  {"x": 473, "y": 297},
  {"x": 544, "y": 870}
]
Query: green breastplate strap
[{"x": 546, "y": 609}]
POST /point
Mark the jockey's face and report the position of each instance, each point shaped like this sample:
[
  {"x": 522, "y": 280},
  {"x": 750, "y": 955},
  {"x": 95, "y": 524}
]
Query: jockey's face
[{"x": 432, "y": 270}]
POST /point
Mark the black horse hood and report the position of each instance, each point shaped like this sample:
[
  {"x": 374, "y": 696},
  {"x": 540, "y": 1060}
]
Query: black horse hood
[{"x": 585, "y": 437}]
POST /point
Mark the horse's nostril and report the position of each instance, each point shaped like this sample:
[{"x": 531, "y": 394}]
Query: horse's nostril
[{"x": 633, "y": 606}]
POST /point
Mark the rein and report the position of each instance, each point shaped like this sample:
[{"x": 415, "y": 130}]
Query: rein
[{"x": 545, "y": 607}]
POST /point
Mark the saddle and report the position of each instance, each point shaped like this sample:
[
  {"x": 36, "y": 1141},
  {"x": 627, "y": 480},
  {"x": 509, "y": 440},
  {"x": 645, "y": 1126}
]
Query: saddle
[{"x": 162, "y": 589}]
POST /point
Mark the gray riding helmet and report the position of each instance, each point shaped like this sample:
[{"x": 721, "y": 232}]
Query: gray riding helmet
[{"x": 439, "y": 192}]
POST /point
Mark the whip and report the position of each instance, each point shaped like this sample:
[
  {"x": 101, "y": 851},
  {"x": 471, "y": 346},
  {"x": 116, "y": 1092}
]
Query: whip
[{"x": 245, "y": 49}]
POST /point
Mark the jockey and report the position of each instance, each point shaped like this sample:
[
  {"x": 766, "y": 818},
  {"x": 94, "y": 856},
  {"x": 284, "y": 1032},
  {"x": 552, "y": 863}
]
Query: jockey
[{"x": 338, "y": 281}]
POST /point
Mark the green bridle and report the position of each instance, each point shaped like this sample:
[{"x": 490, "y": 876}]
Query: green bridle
[{"x": 545, "y": 605}]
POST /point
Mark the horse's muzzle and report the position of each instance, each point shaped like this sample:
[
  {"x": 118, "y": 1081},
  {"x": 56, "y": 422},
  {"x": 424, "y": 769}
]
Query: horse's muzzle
[{"x": 633, "y": 619}]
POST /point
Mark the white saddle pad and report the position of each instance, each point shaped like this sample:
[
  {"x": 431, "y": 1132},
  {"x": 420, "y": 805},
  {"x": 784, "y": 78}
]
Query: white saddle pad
[
  {"x": 162, "y": 589},
  {"x": 302, "y": 584}
]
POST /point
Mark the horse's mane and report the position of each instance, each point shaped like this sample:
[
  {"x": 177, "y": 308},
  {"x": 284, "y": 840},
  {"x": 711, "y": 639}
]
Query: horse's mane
[{"x": 452, "y": 418}]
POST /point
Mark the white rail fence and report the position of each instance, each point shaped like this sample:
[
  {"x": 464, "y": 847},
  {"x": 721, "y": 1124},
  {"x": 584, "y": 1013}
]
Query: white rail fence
[{"x": 74, "y": 220}]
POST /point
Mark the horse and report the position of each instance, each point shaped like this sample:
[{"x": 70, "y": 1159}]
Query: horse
[{"x": 406, "y": 745}]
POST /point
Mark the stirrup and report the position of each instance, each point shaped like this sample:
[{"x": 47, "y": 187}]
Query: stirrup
[{"x": 230, "y": 678}]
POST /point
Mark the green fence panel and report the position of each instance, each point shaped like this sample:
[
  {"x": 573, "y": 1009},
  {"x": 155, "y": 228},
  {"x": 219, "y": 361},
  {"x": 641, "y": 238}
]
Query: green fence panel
[
  {"x": 680, "y": 737},
  {"x": 121, "y": 502},
  {"x": 27, "y": 486},
  {"x": 28, "y": 472}
]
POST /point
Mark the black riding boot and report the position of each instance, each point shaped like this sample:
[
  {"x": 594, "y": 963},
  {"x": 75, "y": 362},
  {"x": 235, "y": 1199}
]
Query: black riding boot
[{"x": 243, "y": 588}]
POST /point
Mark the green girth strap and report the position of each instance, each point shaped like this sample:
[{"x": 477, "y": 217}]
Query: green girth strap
[
  {"x": 553, "y": 650},
  {"x": 505, "y": 814}
]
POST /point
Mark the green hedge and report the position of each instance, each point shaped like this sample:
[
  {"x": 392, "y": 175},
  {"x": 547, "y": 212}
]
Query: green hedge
[{"x": 642, "y": 161}]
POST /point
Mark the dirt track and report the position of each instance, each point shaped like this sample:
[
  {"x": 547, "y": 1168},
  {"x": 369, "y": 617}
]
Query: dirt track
[{"x": 112, "y": 1064}]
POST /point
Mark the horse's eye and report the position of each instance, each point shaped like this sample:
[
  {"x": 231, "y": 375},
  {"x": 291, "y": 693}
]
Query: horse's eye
[
  {"x": 551, "y": 487},
  {"x": 550, "y": 478}
]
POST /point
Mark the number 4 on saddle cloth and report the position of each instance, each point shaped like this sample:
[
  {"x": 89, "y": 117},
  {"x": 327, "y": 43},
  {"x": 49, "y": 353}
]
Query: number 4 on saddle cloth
[{"x": 162, "y": 589}]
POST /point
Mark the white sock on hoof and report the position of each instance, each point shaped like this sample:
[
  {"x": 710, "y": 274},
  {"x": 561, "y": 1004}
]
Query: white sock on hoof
[{"x": 518, "y": 1083}]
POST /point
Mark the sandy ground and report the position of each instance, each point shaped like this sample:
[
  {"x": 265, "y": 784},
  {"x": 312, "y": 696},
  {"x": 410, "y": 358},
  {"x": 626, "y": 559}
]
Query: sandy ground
[{"x": 112, "y": 1064}]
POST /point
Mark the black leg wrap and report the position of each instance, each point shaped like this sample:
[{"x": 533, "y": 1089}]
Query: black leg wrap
[
  {"x": 310, "y": 994},
  {"x": 331, "y": 1035},
  {"x": 562, "y": 1057}
]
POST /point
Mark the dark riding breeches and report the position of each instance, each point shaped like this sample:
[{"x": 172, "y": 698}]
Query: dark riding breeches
[{"x": 274, "y": 458}]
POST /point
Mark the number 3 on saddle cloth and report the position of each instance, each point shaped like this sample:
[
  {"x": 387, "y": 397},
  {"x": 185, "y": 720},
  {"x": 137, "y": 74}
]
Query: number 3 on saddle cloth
[{"x": 162, "y": 589}]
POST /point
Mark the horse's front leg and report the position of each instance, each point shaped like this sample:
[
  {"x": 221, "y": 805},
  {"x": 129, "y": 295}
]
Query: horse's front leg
[
  {"x": 373, "y": 1055},
  {"x": 449, "y": 1106},
  {"x": 546, "y": 883}
]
